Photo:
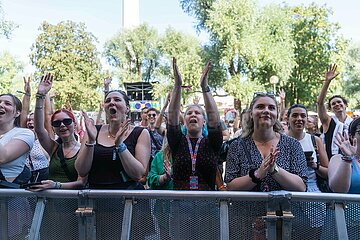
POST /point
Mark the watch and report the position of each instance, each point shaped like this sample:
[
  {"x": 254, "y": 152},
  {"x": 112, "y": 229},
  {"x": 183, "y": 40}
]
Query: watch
[
  {"x": 206, "y": 89},
  {"x": 275, "y": 170}
]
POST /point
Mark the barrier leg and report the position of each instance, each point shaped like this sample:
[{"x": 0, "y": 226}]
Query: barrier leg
[
  {"x": 126, "y": 224},
  {"x": 224, "y": 220},
  {"x": 37, "y": 219}
]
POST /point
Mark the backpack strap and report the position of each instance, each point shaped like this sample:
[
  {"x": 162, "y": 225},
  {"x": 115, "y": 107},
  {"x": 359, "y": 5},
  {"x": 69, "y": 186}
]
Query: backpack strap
[{"x": 314, "y": 144}]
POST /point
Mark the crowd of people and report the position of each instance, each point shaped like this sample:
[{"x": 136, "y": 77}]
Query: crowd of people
[{"x": 273, "y": 148}]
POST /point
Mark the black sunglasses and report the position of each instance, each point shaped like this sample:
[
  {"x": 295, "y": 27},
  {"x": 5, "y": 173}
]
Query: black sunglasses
[
  {"x": 65, "y": 121},
  {"x": 152, "y": 115},
  {"x": 264, "y": 94}
]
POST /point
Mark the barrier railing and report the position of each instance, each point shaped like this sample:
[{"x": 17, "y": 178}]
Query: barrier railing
[{"x": 119, "y": 214}]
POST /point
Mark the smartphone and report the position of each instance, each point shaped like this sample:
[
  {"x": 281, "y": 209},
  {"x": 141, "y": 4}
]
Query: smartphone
[
  {"x": 308, "y": 155},
  {"x": 27, "y": 185}
]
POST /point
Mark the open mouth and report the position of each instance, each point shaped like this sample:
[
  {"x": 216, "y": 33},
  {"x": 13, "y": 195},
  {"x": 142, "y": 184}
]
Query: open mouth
[
  {"x": 31, "y": 127},
  {"x": 112, "y": 110},
  {"x": 2, "y": 112},
  {"x": 193, "y": 121}
]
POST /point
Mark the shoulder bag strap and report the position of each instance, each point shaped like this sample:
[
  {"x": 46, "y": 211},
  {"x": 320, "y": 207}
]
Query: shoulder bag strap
[
  {"x": 64, "y": 165},
  {"x": 154, "y": 140}
]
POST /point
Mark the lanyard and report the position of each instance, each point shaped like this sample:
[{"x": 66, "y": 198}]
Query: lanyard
[{"x": 193, "y": 154}]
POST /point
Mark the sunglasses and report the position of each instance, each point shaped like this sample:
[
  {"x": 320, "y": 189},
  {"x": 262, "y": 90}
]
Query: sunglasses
[
  {"x": 151, "y": 115},
  {"x": 65, "y": 121},
  {"x": 264, "y": 94}
]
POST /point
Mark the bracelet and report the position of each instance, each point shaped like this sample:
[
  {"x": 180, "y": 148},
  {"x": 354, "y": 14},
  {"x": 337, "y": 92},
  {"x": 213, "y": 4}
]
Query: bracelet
[
  {"x": 40, "y": 95},
  {"x": 349, "y": 159},
  {"x": 206, "y": 89},
  {"x": 254, "y": 179},
  {"x": 222, "y": 187},
  {"x": 90, "y": 144},
  {"x": 38, "y": 107},
  {"x": 27, "y": 94},
  {"x": 122, "y": 147},
  {"x": 57, "y": 185}
]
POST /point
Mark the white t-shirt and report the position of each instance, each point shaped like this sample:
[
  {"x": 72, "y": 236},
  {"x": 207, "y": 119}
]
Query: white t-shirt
[{"x": 13, "y": 168}]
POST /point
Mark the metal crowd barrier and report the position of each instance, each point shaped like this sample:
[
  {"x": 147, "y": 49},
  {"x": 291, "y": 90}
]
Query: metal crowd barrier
[{"x": 119, "y": 214}]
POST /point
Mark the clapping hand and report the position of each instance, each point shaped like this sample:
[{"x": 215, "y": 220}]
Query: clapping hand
[
  {"x": 90, "y": 127},
  {"x": 268, "y": 163},
  {"x": 120, "y": 135},
  {"x": 177, "y": 76},
  {"x": 204, "y": 77}
]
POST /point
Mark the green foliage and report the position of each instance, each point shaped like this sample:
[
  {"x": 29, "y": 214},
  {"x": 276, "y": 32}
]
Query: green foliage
[
  {"x": 141, "y": 54},
  {"x": 6, "y": 27},
  {"x": 248, "y": 88},
  {"x": 318, "y": 44},
  {"x": 294, "y": 43},
  {"x": 352, "y": 75},
  {"x": 68, "y": 51},
  {"x": 134, "y": 53},
  {"x": 187, "y": 51},
  {"x": 9, "y": 67}
]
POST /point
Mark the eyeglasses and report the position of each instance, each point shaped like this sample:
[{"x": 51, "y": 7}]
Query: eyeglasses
[
  {"x": 65, "y": 121},
  {"x": 152, "y": 115},
  {"x": 264, "y": 94}
]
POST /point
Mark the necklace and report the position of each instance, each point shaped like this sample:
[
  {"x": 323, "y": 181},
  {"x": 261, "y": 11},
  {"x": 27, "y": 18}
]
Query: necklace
[
  {"x": 264, "y": 142},
  {"x": 66, "y": 154},
  {"x": 109, "y": 133}
]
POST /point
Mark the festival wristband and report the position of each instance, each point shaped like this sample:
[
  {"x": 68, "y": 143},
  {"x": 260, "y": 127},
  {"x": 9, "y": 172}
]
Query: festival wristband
[{"x": 121, "y": 148}]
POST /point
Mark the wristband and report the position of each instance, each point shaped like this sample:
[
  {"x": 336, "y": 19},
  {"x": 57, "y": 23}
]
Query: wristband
[
  {"x": 121, "y": 148},
  {"x": 90, "y": 144},
  {"x": 349, "y": 159},
  {"x": 206, "y": 89},
  {"x": 40, "y": 95},
  {"x": 254, "y": 179},
  {"x": 27, "y": 94},
  {"x": 222, "y": 187}
]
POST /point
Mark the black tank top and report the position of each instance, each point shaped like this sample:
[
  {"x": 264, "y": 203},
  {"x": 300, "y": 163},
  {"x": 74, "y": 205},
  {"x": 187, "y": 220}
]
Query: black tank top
[{"x": 106, "y": 173}]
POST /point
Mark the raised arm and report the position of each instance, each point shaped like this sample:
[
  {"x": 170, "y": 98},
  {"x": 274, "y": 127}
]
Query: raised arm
[
  {"x": 282, "y": 96},
  {"x": 321, "y": 109},
  {"x": 100, "y": 112},
  {"x": 44, "y": 87},
  {"x": 85, "y": 158},
  {"x": 25, "y": 102},
  {"x": 174, "y": 105},
  {"x": 48, "y": 112},
  {"x": 210, "y": 105},
  {"x": 160, "y": 117},
  {"x": 340, "y": 167}
]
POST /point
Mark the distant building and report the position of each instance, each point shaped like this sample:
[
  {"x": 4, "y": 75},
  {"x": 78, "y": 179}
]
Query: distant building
[{"x": 130, "y": 14}]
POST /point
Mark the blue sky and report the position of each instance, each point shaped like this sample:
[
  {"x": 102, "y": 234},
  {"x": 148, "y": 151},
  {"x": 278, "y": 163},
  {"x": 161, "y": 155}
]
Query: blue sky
[{"x": 103, "y": 18}]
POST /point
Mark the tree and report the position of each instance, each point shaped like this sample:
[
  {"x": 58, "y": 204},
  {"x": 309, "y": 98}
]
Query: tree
[
  {"x": 134, "y": 53},
  {"x": 245, "y": 41},
  {"x": 188, "y": 52},
  {"x": 68, "y": 51},
  {"x": 6, "y": 27},
  {"x": 352, "y": 74},
  {"x": 9, "y": 67},
  {"x": 318, "y": 44}
]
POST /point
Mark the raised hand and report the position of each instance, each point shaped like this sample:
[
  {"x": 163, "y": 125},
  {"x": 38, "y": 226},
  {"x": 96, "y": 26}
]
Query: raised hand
[
  {"x": 331, "y": 72},
  {"x": 45, "y": 84},
  {"x": 177, "y": 76},
  {"x": 196, "y": 100},
  {"x": 52, "y": 94},
  {"x": 107, "y": 82},
  {"x": 268, "y": 163},
  {"x": 120, "y": 135},
  {"x": 282, "y": 94},
  {"x": 90, "y": 127},
  {"x": 344, "y": 144},
  {"x": 204, "y": 77},
  {"x": 27, "y": 88}
]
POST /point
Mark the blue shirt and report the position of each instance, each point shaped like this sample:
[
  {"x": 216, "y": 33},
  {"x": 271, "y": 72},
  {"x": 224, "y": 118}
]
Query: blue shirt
[{"x": 355, "y": 178}]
